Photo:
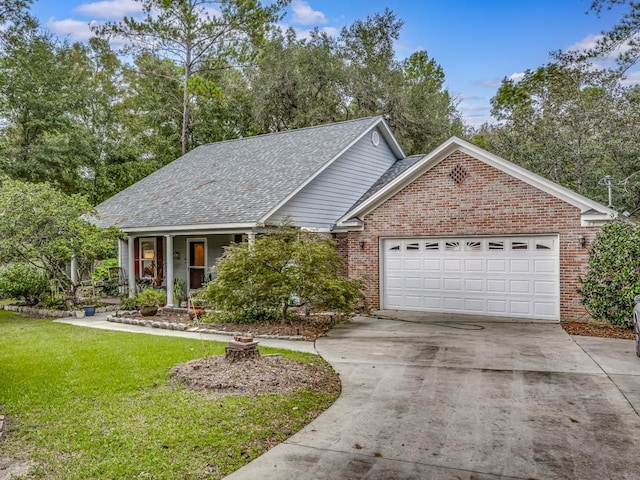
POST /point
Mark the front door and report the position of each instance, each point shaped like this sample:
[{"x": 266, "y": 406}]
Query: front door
[{"x": 197, "y": 263}]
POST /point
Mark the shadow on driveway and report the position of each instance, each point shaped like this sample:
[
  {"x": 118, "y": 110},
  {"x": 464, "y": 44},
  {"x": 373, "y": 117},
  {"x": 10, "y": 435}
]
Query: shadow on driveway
[{"x": 477, "y": 399}]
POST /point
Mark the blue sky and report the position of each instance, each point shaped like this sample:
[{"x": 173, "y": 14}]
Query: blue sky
[{"x": 477, "y": 42}]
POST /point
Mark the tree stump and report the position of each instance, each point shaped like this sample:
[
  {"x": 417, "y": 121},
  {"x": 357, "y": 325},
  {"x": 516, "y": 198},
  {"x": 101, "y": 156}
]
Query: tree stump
[{"x": 241, "y": 348}]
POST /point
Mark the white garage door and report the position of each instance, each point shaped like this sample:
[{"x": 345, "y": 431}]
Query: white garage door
[{"x": 497, "y": 276}]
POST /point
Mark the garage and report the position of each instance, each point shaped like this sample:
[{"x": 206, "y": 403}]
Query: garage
[{"x": 510, "y": 276}]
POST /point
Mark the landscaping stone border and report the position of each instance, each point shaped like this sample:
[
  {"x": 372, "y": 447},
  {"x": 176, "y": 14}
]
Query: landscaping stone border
[
  {"x": 146, "y": 322},
  {"x": 42, "y": 312}
]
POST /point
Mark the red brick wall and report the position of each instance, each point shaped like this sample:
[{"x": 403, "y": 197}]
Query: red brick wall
[{"x": 487, "y": 202}]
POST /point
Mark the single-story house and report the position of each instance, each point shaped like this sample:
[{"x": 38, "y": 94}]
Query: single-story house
[{"x": 458, "y": 230}]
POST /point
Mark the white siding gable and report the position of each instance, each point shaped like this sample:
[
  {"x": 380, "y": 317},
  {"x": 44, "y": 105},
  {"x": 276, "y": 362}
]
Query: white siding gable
[{"x": 328, "y": 196}]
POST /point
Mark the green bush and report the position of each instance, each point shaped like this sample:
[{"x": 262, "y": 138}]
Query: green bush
[
  {"x": 613, "y": 278},
  {"x": 242, "y": 315},
  {"x": 24, "y": 282},
  {"x": 282, "y": 264},
  {"x": 151, "y": 297}
]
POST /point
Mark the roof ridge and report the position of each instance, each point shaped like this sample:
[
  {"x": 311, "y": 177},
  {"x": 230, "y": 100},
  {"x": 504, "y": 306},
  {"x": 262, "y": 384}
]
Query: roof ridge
[{"x": 263, "y": 135}]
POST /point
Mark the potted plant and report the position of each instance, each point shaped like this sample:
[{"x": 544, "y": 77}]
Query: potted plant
[
  {"x": 89, "y": 307},
  {"x": 179, "y": 290},
  {"x": 149, "y": 300}
]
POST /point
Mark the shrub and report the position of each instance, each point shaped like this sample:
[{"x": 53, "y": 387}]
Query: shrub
[
  {"x": 23, "y": 281},
  {"x": 283, "y": 267},
  {"x": 613, "y": 278},
  {"x": 151, "y": 297}
]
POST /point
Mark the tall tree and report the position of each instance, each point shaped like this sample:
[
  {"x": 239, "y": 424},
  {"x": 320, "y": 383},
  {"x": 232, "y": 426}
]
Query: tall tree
[
  {"x": 367, "y": 50},
  {"x": 39, "y": 103},
  {"x": 623, "y": 39},
  {"x": 298, "y": 83},
  {"x": 564, "y": 121},
  {"x": 187, "y": 31}
]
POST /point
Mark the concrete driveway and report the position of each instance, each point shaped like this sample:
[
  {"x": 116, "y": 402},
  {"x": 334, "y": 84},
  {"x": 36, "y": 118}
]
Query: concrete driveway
[{"x": 477, "y": 399}]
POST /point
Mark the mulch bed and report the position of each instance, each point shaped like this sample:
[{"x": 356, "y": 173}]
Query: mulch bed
[
  {"x": 598, "y": 329},
  {"x": 256, "y": 376}
]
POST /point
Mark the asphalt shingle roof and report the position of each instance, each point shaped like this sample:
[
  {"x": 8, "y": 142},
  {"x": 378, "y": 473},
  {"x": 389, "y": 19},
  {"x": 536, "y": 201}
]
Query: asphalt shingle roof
[{"x": 235, "y": 181}]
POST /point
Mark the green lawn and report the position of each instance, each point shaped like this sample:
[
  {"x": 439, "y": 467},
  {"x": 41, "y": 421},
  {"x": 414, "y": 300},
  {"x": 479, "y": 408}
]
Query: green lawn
[{"x": 85, "y": 403}]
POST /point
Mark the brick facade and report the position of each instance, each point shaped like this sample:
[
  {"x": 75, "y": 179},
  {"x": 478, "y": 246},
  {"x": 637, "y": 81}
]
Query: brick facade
[{"x": 486, "y": 202}]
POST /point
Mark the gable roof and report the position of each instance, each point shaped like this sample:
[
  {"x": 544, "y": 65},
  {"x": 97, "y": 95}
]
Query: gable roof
[
  {"x": 234, "y": 183},
  {"x": 592, "y": 212}
]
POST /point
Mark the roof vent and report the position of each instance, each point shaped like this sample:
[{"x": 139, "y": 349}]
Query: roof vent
[
  {"x": 458, "y": 174},
  {"x": 375, "y": 138}
]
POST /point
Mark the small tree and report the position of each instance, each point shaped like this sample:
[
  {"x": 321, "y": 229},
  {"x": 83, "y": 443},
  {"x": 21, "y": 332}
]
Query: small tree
[
  {"x": 284, "y": 266},
  {"x": 45, "y": 228},
  {"x": 613, "y": 278}
]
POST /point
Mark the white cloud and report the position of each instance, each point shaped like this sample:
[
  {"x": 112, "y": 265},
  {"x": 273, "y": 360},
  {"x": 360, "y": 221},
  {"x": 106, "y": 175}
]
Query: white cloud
[
  {"x": 632, "y": 78},
  {"x": 303, "y": 14},
  {"x": 586, "y": 43},
  {"x": 73, "y": 29},
  {"x": 516, "y": 77},
  {"x": 302, "y": 33},
  {"x": 112, "y": 9}
]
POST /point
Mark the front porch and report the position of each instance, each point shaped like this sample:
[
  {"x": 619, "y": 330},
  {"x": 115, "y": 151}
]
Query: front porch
[{"x": 160, "y": 260}]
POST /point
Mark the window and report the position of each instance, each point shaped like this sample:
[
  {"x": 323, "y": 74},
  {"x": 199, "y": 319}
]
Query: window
[
  {"x": 496, "y": 245},
  {"x": 473, "y": 246},
  {"x": 148, "y": 261},
  {"x": 544, "y": 244},
  {"x": 395, "y": 246},
  {"x": 515, "y": 245},
  {"x": 452, "y": 246},
  {"x": 412, "y": 246},
  {"x": 432, "y": 246}
]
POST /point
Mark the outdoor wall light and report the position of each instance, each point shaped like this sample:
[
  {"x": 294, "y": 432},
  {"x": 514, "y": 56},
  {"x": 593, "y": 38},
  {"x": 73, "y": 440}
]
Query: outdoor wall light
[
  {"x": 361, "y": 242},
  {"x": 583, "y": 241}
]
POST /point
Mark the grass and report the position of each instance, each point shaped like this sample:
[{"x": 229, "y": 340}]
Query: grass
[{"x": 84, "y": 403}]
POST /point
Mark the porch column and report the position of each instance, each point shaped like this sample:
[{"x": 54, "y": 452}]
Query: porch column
[
  {"x": 123, "y": 268},
  {"x": 168, "y": 255},
  {"x": 131, "y": 266},
  {"x": 251, "y": 237}
]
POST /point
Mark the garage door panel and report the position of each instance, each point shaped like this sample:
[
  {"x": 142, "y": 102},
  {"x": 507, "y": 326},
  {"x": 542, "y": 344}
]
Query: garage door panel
[
  {"x": 519, "y": 286},
  {"x": 394, "y": 282},
  {"x": 544, "y": 266},
  {"x": 496, "y": 286},
  {"x": 413, "y": 264},
  {"x": 542, "y": 287},
  {"x": 474, "y": 285},
  {"x": 394, "y": 264},
  {"x": 413, "y": 282},
  {"x": 503, "y": 276},
  {"x": 496, "y": 265},
  {"x": 453, "y": 265},
  {"x": 433, "y": 303},
  {"x": 474, "y": 305},
  {"x": 542, "y": 309},
  {"x": 474, "y": 265},
  {"x": 413, "y": 301},
  {"x": 432, "y": 265},
  {"x": 455, "y": 304},
  {"x": 520, "y": 266},
  {"x": 452, "y": 284},
  {"x": 496, "y": 307},
  {"x": 517, "y": 307}
]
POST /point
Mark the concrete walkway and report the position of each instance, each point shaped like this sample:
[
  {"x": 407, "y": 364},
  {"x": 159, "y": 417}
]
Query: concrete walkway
[
  {"x": 99, "y": 320},
  {"x": 431, "y": 398}
]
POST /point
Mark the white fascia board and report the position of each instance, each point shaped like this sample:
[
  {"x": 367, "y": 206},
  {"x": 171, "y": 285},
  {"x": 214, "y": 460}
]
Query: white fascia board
[
  {"x": 189, "y": 229},
  {"x": 453, "y": 144},
  {"x": 386, "y": 133}
]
